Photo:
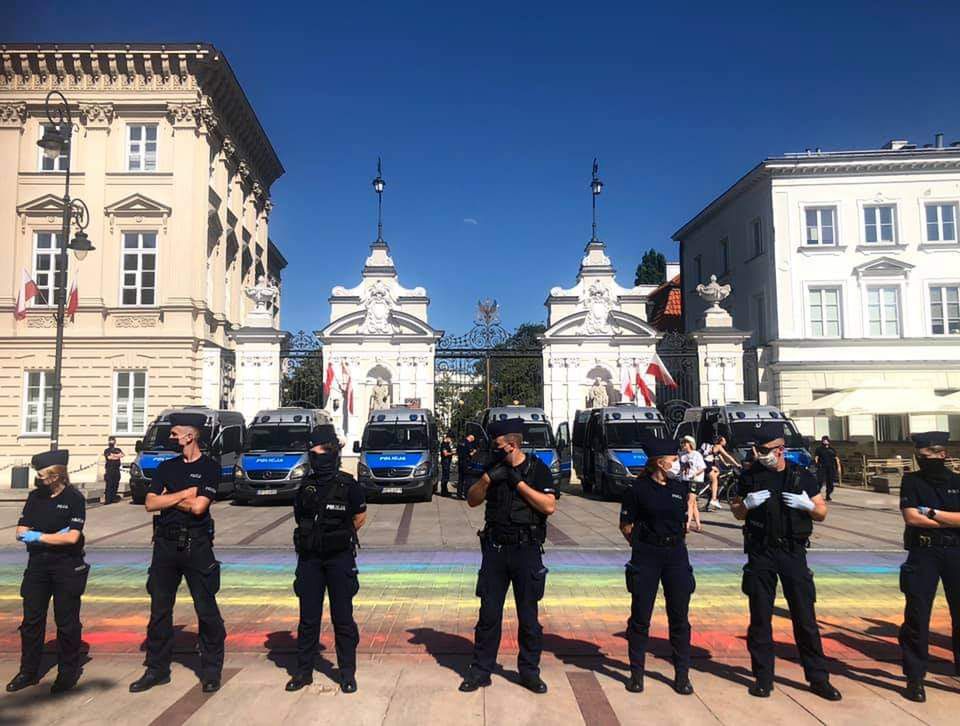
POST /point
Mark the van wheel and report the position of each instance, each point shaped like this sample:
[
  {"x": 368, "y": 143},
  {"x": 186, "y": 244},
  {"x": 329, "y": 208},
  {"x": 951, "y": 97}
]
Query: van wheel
[
  {"x": 586, "y": 483},
  {"x": 427, "y": 497}
]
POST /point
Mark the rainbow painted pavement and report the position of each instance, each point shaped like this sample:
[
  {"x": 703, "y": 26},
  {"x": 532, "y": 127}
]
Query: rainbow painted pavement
[{"x": 419, "y": 601}]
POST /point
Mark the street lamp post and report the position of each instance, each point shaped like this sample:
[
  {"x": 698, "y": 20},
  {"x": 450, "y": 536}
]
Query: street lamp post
[
  {"x": 56, "y": 143},
  {"x": 378, "y": 185},
  {"x": 596, "y": 186}
]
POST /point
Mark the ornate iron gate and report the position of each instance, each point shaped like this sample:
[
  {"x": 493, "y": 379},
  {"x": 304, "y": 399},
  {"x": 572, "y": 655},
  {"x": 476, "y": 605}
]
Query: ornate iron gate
[
  {"x": 679, "y": 354},
  {"x": 488, "y": 366},
  {"x": 301, "y": 371}
]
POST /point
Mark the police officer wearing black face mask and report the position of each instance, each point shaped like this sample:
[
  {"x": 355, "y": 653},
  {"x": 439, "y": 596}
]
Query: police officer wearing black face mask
[
  {"x": 51, "y": 526},
  {"x": 329, "y": 509},
  {"x": 930, "y": 503},
  {"x": 657, "y": 509},
  {"x": 180, "y": 493},
  {"x": 779, "y": 501},
  {"x": 519, "y": 495}
]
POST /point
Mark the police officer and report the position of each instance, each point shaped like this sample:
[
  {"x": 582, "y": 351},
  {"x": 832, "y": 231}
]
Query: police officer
[
  {"x": 828, "y": 465},
  {"x": 465, "y": 453},
  {"x": 329, "y": 509},
  {"x": 519, "y": 495},
  {"x": 51, "y": 526},
  {"x": 657, "y": 509},
  {"x": 446, "y": 459},
  {"x": 181, "y": 492},
  {"x": 112, "y": 456},
  {"x": 779, "y": 502},
  {"x": 930, "y": 502}
]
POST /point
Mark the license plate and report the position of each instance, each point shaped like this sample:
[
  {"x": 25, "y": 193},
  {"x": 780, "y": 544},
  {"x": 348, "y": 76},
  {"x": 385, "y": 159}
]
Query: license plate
[
  {"x": 262, "y": 492},
  {"x": 392, "y": 490}
]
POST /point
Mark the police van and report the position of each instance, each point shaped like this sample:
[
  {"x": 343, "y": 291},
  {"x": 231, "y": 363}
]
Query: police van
[
  {"x": 221, "y": 438},
  {"x": 608, "y": 446},
  {"x": 399, "y": 454},
  {"x": 738, "y": 422},
  {"x": 274, "y": 459},
  {"x": 539, "y": 439}
]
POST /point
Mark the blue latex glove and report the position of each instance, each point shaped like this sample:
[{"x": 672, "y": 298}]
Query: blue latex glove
[
  {"x": 64, "y": 530},
  {"x": 800, "y": 501},
  {"x": 923, "y": 510},
  {"x": 30, "y": 536}
]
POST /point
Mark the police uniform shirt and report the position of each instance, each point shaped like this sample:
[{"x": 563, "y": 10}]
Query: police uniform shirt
[
  {"x": 660, "y": 508},
  {"x": 536, "y": 475},
  {"x": 112, "y": 465},
  {"x": 916, "y": 491},
  {"x": 759, "y": 478},
  {"x": 446, "y": 450},
  {"x": 827, "y": 456},
  {"x": 356, "y": 502},
  {"x": 48, "y": 515},
  {"x": 175, "y": 475}
]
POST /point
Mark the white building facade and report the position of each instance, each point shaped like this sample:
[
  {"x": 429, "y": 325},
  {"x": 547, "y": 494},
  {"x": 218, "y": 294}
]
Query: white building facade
[{"x": 845, "y": 267}]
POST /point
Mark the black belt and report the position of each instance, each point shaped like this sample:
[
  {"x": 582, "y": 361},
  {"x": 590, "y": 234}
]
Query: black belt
[
  {"x": 507, "y": 538},
  {"x": 782, "y": 543},
  {"x": 667, "y": 540},
  {"x": 176, "y": 532},
  {"x": 933, "y": 539}
]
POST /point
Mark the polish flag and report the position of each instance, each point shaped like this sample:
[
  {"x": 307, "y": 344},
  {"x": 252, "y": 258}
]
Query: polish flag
[
  {"x": 626, "y": 385},
  {"x": 649, "y": 399},
  {"x": 28, "y": 291},
  {"x": 328, "y": 382},
  {"x": 346, "y": 384},
  {"x": 658, "y": 370},
  {"x": 73, "y": 301}
]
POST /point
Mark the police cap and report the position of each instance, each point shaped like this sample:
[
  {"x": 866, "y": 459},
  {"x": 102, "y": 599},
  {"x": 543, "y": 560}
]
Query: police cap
[
  {"x": 930, "y": 438},
  {"x": 502, "y": 428},
  {"x": 766, "y": 432},
  {"x": 324, "y": 436},
  {"x": 184, "y": 418},
  {"x": 60, "y": 457},
  {"x": 661, "y": 447}
]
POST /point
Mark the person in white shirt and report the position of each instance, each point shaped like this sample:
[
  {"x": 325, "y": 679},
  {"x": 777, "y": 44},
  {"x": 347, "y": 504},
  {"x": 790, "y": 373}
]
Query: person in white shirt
[{"x": 692, "y": 465}]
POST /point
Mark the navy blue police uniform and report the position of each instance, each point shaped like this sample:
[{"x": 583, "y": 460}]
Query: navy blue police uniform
[
  {"x": 57, "y": 571},
  {"x": 446, "y": 459},
  {"x": 183, "y": 548},
  {"x": 934, "y": 556},
  {"x": 658, "y": 513},
  {"x": 325, "y": 540},
  {"x": 828, "y": 469},
  {"x": 511, "y": 544},
  {"x": 776, "y": 538},
  {"x": 465, "y": 451},
  {"x": 111, "y": 474}
]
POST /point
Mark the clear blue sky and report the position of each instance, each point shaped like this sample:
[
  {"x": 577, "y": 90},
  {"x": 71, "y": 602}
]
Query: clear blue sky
[{"x": 488, "y": 117}]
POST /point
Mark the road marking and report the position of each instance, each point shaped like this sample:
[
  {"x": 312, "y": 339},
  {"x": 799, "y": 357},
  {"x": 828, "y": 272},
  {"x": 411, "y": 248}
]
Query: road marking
[
  {"x": 403, "y": 529},
  {"x": 180, "y": 711},
  {"x": 263, "y": 530},
  {"x": 117, "y": 534},
  {"x": 558, "y": 537},
  {"x": 594, "y": 706}
]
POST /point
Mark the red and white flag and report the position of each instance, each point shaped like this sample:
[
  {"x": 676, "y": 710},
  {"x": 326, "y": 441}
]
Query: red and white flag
[
  {"x": 658, "y": 370},
  {"x": 649, "y": 399},
  {"x": 73, "y": 301},
  {"x": 328, "y": 382},
  {"x": 626, "y": 384},
  {"x": 346, "y": 384},
  {"x": 28, "y": 291}
]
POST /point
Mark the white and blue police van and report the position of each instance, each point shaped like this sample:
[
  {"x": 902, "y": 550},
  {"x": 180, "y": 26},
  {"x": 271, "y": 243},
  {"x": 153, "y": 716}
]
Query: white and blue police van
[
  {"x": 608, "y": 446},
  {"x": 274, "y": 460},
  {"x": 539, "y": 439},
  {"x": 399, "y": 455},
  {"x": 221, "y": 438}
]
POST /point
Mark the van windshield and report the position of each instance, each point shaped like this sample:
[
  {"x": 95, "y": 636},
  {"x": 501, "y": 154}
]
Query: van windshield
[
  {"x": 744, "y": 433},
  {"x": 537, "y": 436},
  {"x": 158, "y": 438},
  {"x": 395, "y": 437},
  {"x": 631, "y": 434},
  {"x": 278, "y": 437}
]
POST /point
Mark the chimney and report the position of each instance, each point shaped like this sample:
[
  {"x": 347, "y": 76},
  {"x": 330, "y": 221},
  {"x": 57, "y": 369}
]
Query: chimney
[
  {"x": 938, "y": 141},
  {"x": 895, "y": 144}
]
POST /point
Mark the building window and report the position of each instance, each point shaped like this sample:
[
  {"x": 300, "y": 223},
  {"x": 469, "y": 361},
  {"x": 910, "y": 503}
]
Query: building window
[
  {"x": 945, "y": 310},
  {"x": 46, "y": 258},
  {"x": 725, "y": 256},
  {"x": 698, "y": 262},
  {"x": 130, "y": 400},
  {"x": 821, "y": 226},
  {"x": 824, "y": 306},
  {"x": 46, "y": 163},
  {"x": 883, "y": 311},
  {"x": 880, "y": 224},
  {"x": 142, "y": 147},
  {"x": 38, "y": 402},
  {"x": 941, "y": 222},
  {"x": 760, "y": 318},
  {"x": 139, "y": 285},
  {"x": 890, "y": 427},
  {"x": 756, "y": 233}
]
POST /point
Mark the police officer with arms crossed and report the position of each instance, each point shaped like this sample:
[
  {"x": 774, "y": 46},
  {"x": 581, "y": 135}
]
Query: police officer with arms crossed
[
  {"x": 779, "y": 502},
  {"x": 329, "y": 509},
  {"x": 181, "y": 491},
  {"x": 519, "y": 495},
  {"x": 51, "y": 526},
  {"x": 112, "y": 456},
  {"x": 657, "y": 510},
  {"x": 930, "y": 502}
]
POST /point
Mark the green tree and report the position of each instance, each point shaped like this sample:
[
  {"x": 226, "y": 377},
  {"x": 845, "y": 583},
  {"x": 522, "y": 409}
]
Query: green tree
[
  {"x": 303, "y": 380},
  {"x": 652, "y": 269}
]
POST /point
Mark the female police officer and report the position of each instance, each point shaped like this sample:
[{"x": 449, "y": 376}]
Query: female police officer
[
  {"x": 657, "y": 509},
  {"x": 930, "y": 501},
  {"x": 51, "y": 526},
  {"x": 329, "y": 509}
]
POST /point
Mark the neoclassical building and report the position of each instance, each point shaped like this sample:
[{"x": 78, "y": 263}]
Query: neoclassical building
[{"x": 176, "y": 170}]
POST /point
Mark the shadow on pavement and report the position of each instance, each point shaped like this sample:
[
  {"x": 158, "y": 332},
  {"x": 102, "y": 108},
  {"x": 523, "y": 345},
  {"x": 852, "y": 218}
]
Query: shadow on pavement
[
  {"x": 281, "y": 648},
  {"x": 448, "y": 650}
]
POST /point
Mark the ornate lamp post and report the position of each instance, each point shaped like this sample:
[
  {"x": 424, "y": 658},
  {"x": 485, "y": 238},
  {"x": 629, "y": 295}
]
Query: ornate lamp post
[
  {"x": 596, "y": 186},
  {"x": 56, "y": 143},
  {"x": 378, "y": 185}
]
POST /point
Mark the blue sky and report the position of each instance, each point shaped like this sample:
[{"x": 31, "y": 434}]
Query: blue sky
[{"x": 488, "y": 117}]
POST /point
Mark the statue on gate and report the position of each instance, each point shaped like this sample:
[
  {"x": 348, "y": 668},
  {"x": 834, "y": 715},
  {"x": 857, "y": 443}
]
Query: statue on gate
[
  {"x": 598, "y": 397},
  {"x": 380, "y": 396}
]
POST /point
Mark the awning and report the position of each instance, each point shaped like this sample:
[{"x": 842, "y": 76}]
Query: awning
[{"x": 879, "y": 400}]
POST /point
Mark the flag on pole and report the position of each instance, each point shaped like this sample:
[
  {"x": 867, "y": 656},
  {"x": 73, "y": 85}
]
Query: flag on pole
[
  {"x": 649, "y": 399},
  {"x": 626, "y": 384},
  {"x": 28, "y": 291},
  {"x": 328, "y": 383},
  {"x": 658, "y": 370},
  {"x": 73, "y": 301},
  {"x": 346, "y": 383}
]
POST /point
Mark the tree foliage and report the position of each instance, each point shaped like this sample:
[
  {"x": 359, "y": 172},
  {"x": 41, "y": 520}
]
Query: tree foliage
[{"x": 652, "y": 269}]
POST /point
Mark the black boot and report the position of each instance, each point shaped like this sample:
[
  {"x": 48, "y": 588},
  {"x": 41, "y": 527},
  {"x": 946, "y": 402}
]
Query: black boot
[
  {"x": 635, "y": 684},
  {"x": 474, "y": 680},
  {"x": 760, "y": 690},
  {"x": 148, "y": 680},
  {"x": 534, "y": 684},
  {"x": 348, "y": 683},
  {"x": 682, "y": 684},
  {"x": 915, "y": 692},
  {"x": 21, "y": 681},
  {"x": 825, "y": 690},
  {"x": 298, "y": 682},
  {"x": 64, "y": 682}
]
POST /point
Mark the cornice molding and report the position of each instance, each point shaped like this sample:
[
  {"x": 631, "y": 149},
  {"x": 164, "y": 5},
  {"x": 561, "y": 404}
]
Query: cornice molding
[
  {"x": 13, "y": 114},
  {"x": 97, "y": 114}
]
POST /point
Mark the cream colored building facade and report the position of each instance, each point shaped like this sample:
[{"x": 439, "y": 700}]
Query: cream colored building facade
[{"x": 176, "y": 170}]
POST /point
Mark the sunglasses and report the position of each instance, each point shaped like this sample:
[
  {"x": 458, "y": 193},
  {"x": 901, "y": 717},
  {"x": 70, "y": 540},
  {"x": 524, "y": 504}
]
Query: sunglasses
[{"x": 769, "y": 449}]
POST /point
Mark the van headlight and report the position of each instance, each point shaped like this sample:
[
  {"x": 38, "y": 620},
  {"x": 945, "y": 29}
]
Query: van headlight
[
  {"x": 136, "y": 471},
  {"x": 614, "y": 466},
  {"x": 238, "y": 472},
  {"x": 555, "y": 466},
  {"x": 300, "y": 471},
  {"x": 423, "y": 469},
  {"x": 363, "y": 471}
]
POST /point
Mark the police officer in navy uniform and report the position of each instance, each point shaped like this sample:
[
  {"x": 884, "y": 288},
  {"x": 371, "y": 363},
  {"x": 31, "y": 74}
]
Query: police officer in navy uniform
[
  {"x": 657, "y": 510},
  {"x": 329, "y": 509},
  {"x": 112, "y": 457},
  {"x": 779, "y": 501},
  {"x": 181, "y": 491},
  {"x": 519, "y": 494},
  {"x": 930, "y": 503},
  {"x": 51, "y": 526}
]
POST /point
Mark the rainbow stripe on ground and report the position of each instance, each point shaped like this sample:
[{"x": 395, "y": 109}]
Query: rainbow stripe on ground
[{"x": 418, "y": 601}]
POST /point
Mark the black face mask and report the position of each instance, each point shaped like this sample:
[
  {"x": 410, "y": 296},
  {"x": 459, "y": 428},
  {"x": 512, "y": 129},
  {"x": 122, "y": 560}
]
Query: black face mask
[
  {"x": 324, "y": 465},
  {"x": 932, "y": 468},
  {"x": 175, "y": 446},
  {"x": 497, "y": 456}
]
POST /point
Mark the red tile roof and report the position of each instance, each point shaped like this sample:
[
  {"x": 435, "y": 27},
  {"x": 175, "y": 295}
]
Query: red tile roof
[{"x": 667, "y": 306}]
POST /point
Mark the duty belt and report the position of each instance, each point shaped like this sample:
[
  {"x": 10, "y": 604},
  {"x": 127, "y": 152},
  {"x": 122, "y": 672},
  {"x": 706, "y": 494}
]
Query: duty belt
[
  {"x": 182, "y": 534},
  {"x": 781, "y": 543},
  {"x": 668, "y": 540},
  {"x": 932, "y": 539},
  {"x": 506, "y": 537}
]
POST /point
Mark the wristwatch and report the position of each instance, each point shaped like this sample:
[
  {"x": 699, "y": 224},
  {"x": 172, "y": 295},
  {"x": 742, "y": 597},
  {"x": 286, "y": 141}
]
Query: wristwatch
[{"x": 932, "y": 513}]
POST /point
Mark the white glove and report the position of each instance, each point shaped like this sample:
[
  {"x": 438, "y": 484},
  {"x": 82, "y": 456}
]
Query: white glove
[
  {"x": 755, "y": 499},
  {"x": 798, "y": 501}
]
